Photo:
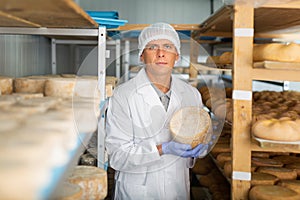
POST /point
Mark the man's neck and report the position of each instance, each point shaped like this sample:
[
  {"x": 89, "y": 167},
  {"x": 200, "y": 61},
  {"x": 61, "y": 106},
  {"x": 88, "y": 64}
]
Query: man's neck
[{"x": 162, "y": 82}]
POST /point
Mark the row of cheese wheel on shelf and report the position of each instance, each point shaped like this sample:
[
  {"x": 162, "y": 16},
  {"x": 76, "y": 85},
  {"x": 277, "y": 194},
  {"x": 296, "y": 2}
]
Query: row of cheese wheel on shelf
[
  {"x": 38, "y": 132},
  {"x": 264, "y": 52},
  {"x": 64, "y": 85},
  {"x": 273, "y": 113},
  {"x": 272, "y": 173},
  {"x": 37, "y": 136}
]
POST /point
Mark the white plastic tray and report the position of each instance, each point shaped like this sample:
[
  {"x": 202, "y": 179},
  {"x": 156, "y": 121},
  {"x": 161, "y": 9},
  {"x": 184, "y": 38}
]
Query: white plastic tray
[{"x": 277, "y": 144}]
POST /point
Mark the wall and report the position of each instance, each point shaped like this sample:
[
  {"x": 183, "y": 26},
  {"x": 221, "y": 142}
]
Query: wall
[
  {"x": 145, "y": 11},
  {"x": 22, "y": 55}
]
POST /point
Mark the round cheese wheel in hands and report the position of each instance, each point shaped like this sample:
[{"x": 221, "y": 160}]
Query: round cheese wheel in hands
[{"x": 191, "y": 125}]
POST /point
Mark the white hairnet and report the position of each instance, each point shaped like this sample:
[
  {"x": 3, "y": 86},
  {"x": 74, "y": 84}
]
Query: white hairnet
[{"x": 158, "y": 31}]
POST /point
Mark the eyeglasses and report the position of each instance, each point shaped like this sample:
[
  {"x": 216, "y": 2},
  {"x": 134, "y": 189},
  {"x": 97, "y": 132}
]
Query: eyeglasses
[{"x": 166, "y": 47}]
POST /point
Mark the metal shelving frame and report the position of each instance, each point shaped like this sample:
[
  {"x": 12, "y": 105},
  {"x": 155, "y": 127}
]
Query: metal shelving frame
[{"x": 100, "y": 33}]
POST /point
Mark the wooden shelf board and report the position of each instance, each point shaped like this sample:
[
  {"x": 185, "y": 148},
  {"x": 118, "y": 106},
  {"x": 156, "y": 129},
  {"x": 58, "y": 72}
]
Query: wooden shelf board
[
  {"x": 179, "y": 27},
  {"x": 283, "y": 148},
  {"x": 45, "y": 13},
  {"x": 201, "y": 66},
  {"x": 264, "y": 21},
  {"x": 272, "y": 74}
]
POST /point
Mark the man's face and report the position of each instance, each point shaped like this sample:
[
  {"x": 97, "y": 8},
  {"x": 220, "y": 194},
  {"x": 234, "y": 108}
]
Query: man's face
[{"x": 160, "y": 55}]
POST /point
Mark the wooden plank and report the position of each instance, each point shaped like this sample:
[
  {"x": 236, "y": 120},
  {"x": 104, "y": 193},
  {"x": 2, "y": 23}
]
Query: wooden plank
[
  {"x": 277, "y": 65},
  {"x": 264, "y": 21},
  {"x": 281, "y": 4},
  {"x": 242, "y": 109},
  {"x": 11, "y": 21},
  {"x": 269, "y": 75},
  {"x": 194, "y": 52},
  {"x": 45, "y": 13},
  {"x": 284, "y": 148},
  {"x": 131, "y": 27}
]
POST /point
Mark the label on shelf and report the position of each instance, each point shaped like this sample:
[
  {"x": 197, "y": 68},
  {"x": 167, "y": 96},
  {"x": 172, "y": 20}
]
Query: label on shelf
[
  {"x": 243, "y": 176},
  {"x": 244, "y": 32},
  {"x": 242, "y": 95}
]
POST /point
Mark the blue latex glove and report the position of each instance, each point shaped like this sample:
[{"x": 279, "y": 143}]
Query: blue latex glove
[{"x": 183, "y": 150}]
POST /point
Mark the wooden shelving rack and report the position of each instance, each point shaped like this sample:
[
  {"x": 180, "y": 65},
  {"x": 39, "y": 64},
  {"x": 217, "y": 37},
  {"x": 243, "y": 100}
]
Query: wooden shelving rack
[{"x": 243, "y": 23}]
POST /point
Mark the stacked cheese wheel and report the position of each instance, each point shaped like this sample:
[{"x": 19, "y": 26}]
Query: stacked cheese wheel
[
  {"x": 41, "y": 117},
  {"x": 265, "y": 52},
  {"x": 273, "y": 113}
]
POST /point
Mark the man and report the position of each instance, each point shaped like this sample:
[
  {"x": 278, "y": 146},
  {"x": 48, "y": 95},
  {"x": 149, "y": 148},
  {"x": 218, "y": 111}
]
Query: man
[{"x": 148, "y": 164}]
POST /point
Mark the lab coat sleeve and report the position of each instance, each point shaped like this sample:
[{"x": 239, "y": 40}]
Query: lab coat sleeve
[{"x": 126, "y": 153}]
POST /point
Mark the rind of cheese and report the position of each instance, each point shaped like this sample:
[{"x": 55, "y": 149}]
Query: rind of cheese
[
  {"x": 6, "y": 85},
  {"x": 29, "y": 85},
  {"x": 60, "y": 87},
  {"x": 258, "y": 178},
  {"x": 190, "y": 125},
  {"x": 266, "y": 162},
  {"x": 291, "y": 184},
  {"x": 281, "y": 173},
  {"x": 274, "y": 192},
  {"x": 68, "y": 191},
  {"x": 92, "y": 180},
  {"x": 277, "y": 129},
  {"x": 276, "y": 52},
  {"x": 7, "y": 100}
]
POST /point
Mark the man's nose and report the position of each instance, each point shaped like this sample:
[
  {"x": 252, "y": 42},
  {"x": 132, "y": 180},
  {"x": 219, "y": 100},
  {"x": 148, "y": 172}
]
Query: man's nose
[{"x": 160, "y": 52}]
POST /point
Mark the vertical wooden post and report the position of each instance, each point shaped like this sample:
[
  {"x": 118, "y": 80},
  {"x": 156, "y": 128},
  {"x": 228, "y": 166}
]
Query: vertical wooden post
[
  {"x": 194, "y": 52},
  {"x": 242, "y": 99}
]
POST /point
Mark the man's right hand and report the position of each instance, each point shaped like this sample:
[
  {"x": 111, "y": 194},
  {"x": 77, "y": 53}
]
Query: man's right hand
[{"x": 183, "y": 150}]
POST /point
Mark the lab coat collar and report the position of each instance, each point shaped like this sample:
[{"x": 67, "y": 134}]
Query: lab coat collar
[{"x": 145, "y": 88}]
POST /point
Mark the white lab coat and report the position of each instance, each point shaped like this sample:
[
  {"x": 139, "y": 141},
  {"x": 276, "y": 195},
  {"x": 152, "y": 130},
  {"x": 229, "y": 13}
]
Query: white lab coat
[{"x": 136, "y": 123}]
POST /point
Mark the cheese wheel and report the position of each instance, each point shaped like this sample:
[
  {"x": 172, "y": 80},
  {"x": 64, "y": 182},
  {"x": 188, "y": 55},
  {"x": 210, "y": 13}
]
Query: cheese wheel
[
  {"x": 92, "y": 180},
  {"x": 6, "y": 85},
  {"x": 276, "y": 52},
  {"x": 295, "y": 166},
  {"x": 287, "y": 159},
  {"x": 281, "y": 173},
  {"x": 47, "y": 102},
  {"x": 258, "y": 178},
  {"x": 220, "y": 148},
  {"x": 274, "y": 192},
  {"x": 213, "y": 60},
  {"x": 223, "y": 157},
  {"x": 291, "y": 184},
  {"x": 87, "y": 87},
  {"x": 203, "y": 166},
  {"x": 7, "y": 100},
  {"x": 258, "y": 154},
  {"x": 21, "y": 95},
  {"x": 29, "y": 85},
  {"x": 190, "y": 125},
  {"x": 277, "y": 129},
  {"x": 69, "y": 75},
  {"x": 226, "y": 58},
  {"x": 266, "y": 162},
  {"x": 26, "y": 109},
  {"x": 68, "y": 191},
  {"x": 228, "y": 169},
  {"x": 60, "y": 87}
]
